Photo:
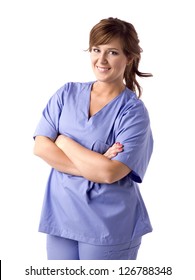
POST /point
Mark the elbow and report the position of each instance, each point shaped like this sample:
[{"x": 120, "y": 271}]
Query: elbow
[
  {"x": 109, "y": 181},
  {"x": 38, "y": 149},
  {"x": 109, "y": 178},
  {"x": 101, "y": 177},
  {"x": 115, "y": 172}
]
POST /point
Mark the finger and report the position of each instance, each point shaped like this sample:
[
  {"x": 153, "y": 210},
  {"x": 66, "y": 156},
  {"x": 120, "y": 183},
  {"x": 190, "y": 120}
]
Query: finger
[
  {"x": 114, "y": 150},
  {"x": 112, "y": 155},
  {"x": 118, "y": 144}
]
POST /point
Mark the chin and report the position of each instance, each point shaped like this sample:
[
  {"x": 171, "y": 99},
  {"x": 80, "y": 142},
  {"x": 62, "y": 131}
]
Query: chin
[{"x": 102, "y": 79}]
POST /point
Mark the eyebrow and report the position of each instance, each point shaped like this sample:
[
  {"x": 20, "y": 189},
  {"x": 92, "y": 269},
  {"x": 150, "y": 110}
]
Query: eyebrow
[
  {"x": 108, "y": 48},
  {"x": 113, "y": 49}
]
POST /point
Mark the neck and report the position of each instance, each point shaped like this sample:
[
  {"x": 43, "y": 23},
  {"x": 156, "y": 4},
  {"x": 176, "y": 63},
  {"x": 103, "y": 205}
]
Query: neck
[{"x": 108, "y": 89}]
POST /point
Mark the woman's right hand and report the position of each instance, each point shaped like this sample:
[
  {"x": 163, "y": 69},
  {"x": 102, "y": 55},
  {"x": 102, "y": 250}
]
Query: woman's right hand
[{"x": 114, "y": 150}]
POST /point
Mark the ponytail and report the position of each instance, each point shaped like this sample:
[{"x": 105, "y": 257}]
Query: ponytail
[{"x": 130, "y": 76}]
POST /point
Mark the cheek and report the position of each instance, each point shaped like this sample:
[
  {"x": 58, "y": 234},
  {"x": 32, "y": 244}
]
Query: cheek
[
  {"x": 93, "y": 60},
  {"x": 121, "y": 66},
  {"x": 120, "y": 62},
  {"x": 93, "y": 56}
]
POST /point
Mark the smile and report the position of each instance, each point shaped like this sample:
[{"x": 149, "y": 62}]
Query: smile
[{"x": 103, "y": 69}]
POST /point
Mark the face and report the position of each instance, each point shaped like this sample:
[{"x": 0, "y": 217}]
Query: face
[{"x": 109, "y": 62}]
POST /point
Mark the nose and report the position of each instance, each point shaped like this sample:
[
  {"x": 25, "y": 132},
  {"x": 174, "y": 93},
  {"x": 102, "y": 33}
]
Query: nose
[{"x": 103, "y": 58}]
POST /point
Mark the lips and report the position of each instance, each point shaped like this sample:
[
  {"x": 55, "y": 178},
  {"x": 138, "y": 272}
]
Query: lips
[{"x": 103, "y": 69}]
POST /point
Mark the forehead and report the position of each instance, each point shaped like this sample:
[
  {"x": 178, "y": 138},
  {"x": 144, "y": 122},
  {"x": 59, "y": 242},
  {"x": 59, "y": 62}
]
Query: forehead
[{"x": 113, "y": 44}]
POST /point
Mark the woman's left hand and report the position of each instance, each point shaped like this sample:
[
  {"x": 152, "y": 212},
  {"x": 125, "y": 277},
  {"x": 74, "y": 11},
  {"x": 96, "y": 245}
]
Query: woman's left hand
[{"x": 114, "y": 150}]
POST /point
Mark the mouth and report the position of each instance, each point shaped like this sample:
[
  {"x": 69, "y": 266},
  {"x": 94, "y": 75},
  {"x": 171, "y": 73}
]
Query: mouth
[{"x": 103, "y": 69}]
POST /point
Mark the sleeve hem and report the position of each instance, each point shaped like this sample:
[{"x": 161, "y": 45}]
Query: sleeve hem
[{"x": 135, "y": 177}]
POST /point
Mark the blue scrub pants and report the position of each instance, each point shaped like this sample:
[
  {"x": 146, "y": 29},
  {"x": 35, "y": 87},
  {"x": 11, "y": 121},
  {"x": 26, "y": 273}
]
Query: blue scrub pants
[{"x": 59, "y": 248}]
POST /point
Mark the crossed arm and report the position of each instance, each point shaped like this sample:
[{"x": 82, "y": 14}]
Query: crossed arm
[{"x": 70, "y": 157}]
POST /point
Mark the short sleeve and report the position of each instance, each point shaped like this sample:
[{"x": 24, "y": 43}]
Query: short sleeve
[
  {"x": 134, "y": 132},
  {"x": 49, "y": 123}
]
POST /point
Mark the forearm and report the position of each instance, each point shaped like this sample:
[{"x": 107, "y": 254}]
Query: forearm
[
  {"x": 93, "y": 166},
  {"x": 47, "y": 150}
]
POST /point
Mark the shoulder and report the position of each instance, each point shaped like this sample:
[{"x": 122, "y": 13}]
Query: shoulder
[
  {"x": 71, "y": 90},
  {"x": 133, "y": 112},
  {"x": 74, "y": 87},
  {"x": 133, "y": 104}
]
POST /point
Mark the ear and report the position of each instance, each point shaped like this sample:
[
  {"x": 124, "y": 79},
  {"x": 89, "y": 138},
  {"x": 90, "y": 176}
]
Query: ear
[{"x": 129, "y": 60}]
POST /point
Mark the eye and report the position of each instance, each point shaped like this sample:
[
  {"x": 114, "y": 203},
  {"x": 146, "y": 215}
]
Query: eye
[
  {"x": 113, "y": 53},
  {"x": 96, "y": 50}
]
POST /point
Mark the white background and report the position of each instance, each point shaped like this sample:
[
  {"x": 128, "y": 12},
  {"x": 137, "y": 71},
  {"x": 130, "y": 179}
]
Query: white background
[{"x": 41, "y": 47}]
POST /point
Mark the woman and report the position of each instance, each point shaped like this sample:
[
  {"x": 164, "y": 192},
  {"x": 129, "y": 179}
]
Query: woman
[{"x": 96, "y": 136}]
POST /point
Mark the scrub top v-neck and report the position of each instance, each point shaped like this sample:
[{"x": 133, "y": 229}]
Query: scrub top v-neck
[
  {"x": 105, "y": 107},
  {"x": 75, "y": 208}
]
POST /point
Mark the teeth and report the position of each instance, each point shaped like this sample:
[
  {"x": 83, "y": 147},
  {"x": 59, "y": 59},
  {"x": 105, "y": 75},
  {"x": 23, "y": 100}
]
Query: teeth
[{"x": 101, "y": 69}]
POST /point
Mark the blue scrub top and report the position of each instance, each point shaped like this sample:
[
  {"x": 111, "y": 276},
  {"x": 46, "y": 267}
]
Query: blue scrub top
[{"x": 75, "y": 208}]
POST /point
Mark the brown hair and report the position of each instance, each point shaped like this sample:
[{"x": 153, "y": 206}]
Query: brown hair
[{"x": 107, "y": 29}]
